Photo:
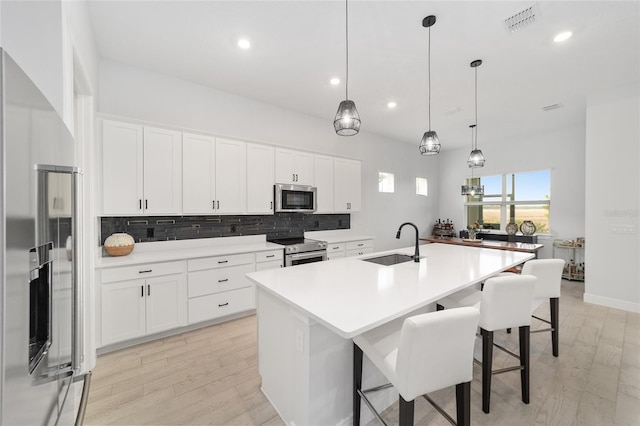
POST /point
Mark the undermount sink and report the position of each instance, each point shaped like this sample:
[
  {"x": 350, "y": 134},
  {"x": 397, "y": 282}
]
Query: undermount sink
[{"x": 390, "y": 259}]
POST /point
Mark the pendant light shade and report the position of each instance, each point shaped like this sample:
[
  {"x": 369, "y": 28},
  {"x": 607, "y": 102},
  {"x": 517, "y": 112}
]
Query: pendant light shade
[
  {"x": 347, "y": 121},
  {"x": 430, "y": 144},
  {"x": 471, "y": 188},
  {"x": 476, "y": 158}
]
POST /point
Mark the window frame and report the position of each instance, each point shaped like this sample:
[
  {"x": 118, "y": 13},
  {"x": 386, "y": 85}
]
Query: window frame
[{"x": 504, "y": 202}]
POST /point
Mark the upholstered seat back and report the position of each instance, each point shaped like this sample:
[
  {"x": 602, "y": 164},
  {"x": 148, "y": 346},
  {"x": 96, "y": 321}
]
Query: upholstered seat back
[
  {"x": 506, "y": 302},
  {"x": 549, "y": 274},
  {"x": 435, "y": 351}
]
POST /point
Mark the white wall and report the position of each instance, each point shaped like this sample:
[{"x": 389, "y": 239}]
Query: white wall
[
  {"x": 561, "y": 151},
  {"x": 135, "y": 93},
  {"x": 612, "y": 238}
]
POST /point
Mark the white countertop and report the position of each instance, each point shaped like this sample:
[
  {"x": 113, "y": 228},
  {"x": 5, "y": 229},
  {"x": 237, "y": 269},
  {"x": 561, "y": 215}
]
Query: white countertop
[
  {"x": 187, "y": 249},
  {"x": 350, "y": 296},
  {"x": 337, "y": 236}
]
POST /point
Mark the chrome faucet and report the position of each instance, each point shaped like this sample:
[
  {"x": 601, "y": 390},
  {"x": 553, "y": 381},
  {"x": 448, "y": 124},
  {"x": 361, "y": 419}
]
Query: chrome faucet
[{"x": 416, "y": 256}]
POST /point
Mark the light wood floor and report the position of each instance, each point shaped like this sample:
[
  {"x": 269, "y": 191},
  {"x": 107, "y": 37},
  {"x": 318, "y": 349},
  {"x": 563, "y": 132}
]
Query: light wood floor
[{"x": 210, "y": 376}]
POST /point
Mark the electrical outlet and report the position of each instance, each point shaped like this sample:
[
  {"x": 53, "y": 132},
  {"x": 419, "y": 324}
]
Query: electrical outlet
[{"x": 622, "y": 229}]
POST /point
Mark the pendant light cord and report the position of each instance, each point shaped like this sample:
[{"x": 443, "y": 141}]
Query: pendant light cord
[
  {"x": 429, "y": 75},
  {"x": 476, "y": 126},
  {"x": 346, "y": 85}
]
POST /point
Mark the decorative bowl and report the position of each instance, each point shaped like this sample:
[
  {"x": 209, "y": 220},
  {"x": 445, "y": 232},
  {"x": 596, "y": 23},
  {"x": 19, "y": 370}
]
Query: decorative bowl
[
  {"x": 119, "y": 244},
  {"x": 511, "y": 228},
  {"x": 527, "y": 228}
]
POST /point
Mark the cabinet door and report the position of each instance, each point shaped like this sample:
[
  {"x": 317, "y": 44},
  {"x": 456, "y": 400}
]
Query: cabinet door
[
  {"x": 166, "y": 303},
  {"x": 324, "y": 183},
  {"x": 304, "y": 166},
  {"x": 123, "y": 311},
  {"x": 198, "y": 176},
  {"x": 285, "y": 166},
  {"x": 260, "y": 178},
  {"x": 347, "y": 182},
  {"x": 162, "y": 171},
  {"x": 122, "y": 190},
  {"x": 231, "y": 176}
]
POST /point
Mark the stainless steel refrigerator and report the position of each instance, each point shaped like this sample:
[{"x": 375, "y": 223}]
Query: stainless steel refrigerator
[{"x": 41, "y": 291}]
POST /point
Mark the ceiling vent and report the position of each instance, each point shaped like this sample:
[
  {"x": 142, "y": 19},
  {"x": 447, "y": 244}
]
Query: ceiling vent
[
  {"x": 522, "y": 19},
  {"x": 551, "y": 107}
]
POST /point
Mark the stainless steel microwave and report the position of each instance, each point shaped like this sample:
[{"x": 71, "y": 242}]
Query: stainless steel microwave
[{"x": 295, "y": 198}]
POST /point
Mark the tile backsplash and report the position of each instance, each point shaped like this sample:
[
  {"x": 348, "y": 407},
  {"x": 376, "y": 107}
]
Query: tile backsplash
[{"x": 164, "y": 228}]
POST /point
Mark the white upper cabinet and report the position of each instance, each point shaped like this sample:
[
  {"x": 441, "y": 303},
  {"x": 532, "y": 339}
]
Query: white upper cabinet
[
  {"x": 347, "y": 182},
  {"x": 214, "y": 175},
  {"x": 162, "y": 179},
  {"x": 122, "y": 190},
  {"x": 260, "y": 178},
  {"x": 324, "y": 183},
  {"x": 294, "y": 167},
  {"x": 142, "y": 170},
  {"x": 198, "y": 177},
  {"x": 231, "y": 176}
]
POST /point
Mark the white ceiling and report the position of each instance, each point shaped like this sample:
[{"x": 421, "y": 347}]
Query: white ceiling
[{"x": 297, "y": 46}]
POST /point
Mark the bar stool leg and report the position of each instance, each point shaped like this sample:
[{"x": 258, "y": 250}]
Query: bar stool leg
[
  {"x": 487, "y": 361},
  {"x": 463, "y": 404},
  {"x": 406, "y": 412},
  {"x": 524, "y": 362},
  {"x": 555, "y": 308},
  {"x": 357, "y": 383}
]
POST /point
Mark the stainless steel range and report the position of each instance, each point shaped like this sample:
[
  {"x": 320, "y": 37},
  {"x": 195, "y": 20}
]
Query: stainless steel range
[{"x": 298, "y": 251}]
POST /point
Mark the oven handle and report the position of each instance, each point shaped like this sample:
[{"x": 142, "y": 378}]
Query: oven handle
[{"x": 301, "y": 256}]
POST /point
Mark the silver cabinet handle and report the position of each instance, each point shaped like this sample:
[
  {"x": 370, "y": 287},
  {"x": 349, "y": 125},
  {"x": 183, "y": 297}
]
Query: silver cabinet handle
[
  {"x": 141, "y": 291},
  {"x": 224, "y": 280},
  {"x": 293, "y": 177},
  {"x": 360, "y": 245},
  {"x": 270, "y": 205},
  {"x": 213, "y": 204},
  {"x": 140, "y": 203},
  {"x": 223, "y": 261},
  {"x": 218, "y": 204},
  {"x": 271, "y": 255},
  {"x": 148, "y": 290},
  {"x": 146, "y": 204},
  {"x": 146, "y": 271},
  {"x": 220, "y": 305}
]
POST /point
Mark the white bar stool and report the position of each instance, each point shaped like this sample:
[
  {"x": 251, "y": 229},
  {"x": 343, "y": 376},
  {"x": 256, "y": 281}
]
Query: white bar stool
[
  {"x": 504, "y": 302},
  {"x": 428, "y": 352},
  {"x": 549, "y": 274}
]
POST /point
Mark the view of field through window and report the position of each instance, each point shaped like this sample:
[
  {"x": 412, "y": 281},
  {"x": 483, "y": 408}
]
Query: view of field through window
[{"x": 501, "y": 191}]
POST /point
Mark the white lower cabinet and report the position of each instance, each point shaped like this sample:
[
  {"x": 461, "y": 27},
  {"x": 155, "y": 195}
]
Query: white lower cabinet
[
  {"x": 218, "y": 286},
  {"x": 269, "y": 260},
  {"x": 335, "y": 251},
  {"x": 137, "y": 307},
  {"x": 358, "y": 248}
]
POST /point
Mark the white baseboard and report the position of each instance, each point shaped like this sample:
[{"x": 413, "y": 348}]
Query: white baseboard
[{"x": 612, "y": 303}]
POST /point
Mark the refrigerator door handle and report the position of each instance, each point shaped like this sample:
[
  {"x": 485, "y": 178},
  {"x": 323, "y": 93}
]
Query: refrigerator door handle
[{"x": 77, "y": 293}]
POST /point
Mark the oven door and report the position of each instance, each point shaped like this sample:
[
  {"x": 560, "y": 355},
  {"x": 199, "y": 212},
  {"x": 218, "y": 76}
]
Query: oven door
[{"x": 302, "y": 258}]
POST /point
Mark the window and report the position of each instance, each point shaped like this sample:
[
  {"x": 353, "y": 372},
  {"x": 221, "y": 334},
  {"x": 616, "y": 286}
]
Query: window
[
  {"x": 385, "y": 182},
  {"x": 421, "y": 186},
  {"x": 512, "y": 197}
]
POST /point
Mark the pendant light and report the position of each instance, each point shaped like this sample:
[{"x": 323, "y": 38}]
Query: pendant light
[
  {"x": 472, "y": 189},
  {"x": 476, "y": 159},
  {"x": 430, "y": 144},
  {"x": 347, "y": 121}
]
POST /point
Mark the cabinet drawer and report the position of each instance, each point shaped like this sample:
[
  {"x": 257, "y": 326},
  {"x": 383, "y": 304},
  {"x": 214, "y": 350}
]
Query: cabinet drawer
[
  {"x": 336, "y": 255},
  {"x": 220, "y": 261},
  {"x": 216, "y": 280},
  {"x": 265, "y": 256},
  {"x": 141, "y": 271},
  {"x": 357, "y": 245},
  {"x": 337, "y": 247},
  {"x": 359, "y": 252},
  {"x": 263, "y": 266},
  {"x": 221, "y": 304}
]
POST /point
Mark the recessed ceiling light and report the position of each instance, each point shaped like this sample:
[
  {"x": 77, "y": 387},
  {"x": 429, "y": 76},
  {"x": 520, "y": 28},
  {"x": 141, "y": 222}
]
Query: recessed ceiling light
[
  {"x": 563, "y": 36},
  {"x": 334, "y": 81},
  {"x": 392, "y": 105},
  {"x": 243, "y": 43}
]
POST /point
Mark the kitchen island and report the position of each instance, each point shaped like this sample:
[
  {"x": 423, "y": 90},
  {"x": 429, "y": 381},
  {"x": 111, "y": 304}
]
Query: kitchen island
[{"x": 308, "y": 314}]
